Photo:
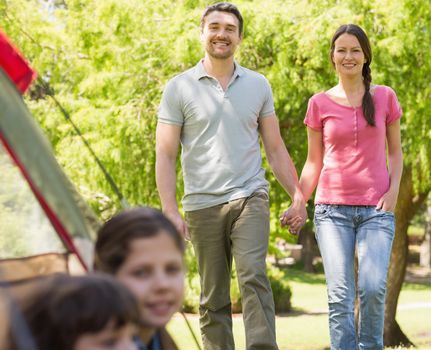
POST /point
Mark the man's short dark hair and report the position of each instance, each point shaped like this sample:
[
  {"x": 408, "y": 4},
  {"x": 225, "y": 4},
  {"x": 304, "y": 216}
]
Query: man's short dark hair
[{"x": 224, "y": 7}]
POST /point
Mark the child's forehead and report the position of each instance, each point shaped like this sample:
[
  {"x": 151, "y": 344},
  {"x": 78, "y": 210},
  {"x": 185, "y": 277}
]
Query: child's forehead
[{"x": 160, "y": 241}]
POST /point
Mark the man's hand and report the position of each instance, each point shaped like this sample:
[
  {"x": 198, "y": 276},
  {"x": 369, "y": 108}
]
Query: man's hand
[
  {"x": 179, "y": 223},
  {"x": 294, "y": 217}
]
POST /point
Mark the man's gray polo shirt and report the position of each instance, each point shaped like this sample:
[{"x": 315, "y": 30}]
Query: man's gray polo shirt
[{"x": 220, "y": 155}]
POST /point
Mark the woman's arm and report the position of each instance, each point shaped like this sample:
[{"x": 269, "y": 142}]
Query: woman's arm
[
  {"x": 395, "y": 164},
  {"x": 309, "y": 176},
  {"x": 283, "y": 168},
  {"x": 314, "y": 163}
]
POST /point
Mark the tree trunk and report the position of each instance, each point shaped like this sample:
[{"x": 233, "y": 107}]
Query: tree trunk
[
  {"x": 408, "y": 204},
  {"x": 306, "y": 238},
  {"x": 425, "y": 253}
]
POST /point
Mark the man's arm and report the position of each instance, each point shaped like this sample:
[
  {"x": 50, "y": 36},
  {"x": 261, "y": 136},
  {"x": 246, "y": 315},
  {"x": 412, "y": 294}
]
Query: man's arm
[
  {"x": 167, "y": 143},
  {"x": 284, "y": 170}
]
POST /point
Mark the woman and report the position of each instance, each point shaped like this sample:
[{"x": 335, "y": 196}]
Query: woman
[
  {"x": 144, "y": 251},
  {"x": 348, "y": 127},
  {"x": 77, "y": 313}
]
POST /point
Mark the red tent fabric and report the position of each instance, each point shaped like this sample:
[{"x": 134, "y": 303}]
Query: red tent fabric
[{"x": 14, "y": 64}]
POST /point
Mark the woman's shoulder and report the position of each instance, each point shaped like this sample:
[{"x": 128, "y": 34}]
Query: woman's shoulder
[
  {"x": 319, "y": 94},
  {"x": 318, "y": 97},
  {"x": 382, "y": 91}
]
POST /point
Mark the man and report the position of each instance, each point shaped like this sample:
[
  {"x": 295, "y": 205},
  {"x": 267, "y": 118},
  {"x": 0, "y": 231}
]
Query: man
[{"x": 217, "y": 110}]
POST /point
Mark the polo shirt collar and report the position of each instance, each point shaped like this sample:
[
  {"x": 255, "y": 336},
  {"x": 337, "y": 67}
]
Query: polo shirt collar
[{"x": 201, "y": 73}]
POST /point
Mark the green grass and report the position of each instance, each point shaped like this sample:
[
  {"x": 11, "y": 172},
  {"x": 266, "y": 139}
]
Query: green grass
[
  {"x": 300, "y": 330},
  {"x": 416, "y": 324},
  {"x": 293, "y": 332},
  {"x": 415, "y": 293},
  {"x": 308, "y": 290}
]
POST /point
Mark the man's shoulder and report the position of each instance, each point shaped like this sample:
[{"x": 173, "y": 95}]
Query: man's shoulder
[
  {"x": 251, "y": 74},
  {"x": 180, "y": 83},
  {"x": 185, "y": 75},
  {"x": 254, "y": 80}
]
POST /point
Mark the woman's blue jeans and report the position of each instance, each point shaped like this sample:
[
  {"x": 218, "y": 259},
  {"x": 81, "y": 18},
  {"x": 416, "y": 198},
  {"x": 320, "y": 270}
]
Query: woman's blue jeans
[{"x": 340, "y": 230}]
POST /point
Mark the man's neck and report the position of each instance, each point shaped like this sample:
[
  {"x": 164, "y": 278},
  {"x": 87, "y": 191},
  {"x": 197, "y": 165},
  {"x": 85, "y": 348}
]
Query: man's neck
[{"x": 219, "y": 68}]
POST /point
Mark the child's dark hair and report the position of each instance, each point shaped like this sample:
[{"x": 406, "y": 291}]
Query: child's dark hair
[
  {"x": 115, "y": 236},
  {"x": 61, "y": 308}
]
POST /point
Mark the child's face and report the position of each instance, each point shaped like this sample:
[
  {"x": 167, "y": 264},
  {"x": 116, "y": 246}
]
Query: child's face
[
  {"x": 154, "y": 272},
  {"x": 108, "y": 339}
]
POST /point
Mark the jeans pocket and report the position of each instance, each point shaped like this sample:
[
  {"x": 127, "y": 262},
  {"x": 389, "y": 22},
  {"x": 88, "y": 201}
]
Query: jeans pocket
[
  {"x": 384, "y": 212},
  {"x": 321, "y": 211}
]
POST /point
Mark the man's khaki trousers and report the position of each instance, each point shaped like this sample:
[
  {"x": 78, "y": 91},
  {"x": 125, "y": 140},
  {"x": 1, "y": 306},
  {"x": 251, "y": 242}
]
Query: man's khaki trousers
[{"x": 237, "y": 229}]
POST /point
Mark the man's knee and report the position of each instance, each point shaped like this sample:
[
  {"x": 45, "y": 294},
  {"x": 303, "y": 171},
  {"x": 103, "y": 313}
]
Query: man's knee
[{"x": 216, "y": 307}]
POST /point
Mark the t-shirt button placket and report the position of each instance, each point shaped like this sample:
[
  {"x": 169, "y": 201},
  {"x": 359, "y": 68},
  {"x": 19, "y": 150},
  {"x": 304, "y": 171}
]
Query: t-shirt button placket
[
  {"x": 356, "y": 127},
  {"x": 220, "y": 90}
]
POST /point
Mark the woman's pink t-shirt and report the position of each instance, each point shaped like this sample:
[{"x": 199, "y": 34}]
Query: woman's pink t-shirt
[{"x": 354, "y": 163}]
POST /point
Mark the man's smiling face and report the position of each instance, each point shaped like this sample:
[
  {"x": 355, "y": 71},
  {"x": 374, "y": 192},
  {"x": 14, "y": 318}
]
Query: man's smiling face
[{"x": 220, "y": 34}]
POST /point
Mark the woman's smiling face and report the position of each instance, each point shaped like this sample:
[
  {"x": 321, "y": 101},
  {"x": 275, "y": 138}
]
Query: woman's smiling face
[{"x": 348, "y": 56}]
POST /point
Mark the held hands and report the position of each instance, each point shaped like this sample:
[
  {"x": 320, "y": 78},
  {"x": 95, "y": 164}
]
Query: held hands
[
  {"x": 294, "y": 217},
  {"x": 179, "y": 223},
  {"x": 388, "y": 201}
]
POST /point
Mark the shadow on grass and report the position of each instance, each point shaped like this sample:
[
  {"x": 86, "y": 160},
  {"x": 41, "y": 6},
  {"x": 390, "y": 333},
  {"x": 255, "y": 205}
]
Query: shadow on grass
[
  {"x": 296, "y": 273},
  {"x": 417, "y": 286},
  {"x": 296, "y": 312}
]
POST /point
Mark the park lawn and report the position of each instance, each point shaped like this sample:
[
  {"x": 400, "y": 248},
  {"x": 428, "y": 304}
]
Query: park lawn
[
  {"x": 306, "y": 328},
  {"x": 415, "y": 293},
  {"x": 305, "y": 332},
  {"x": 416, "y": 324},
  {"x": 293, "y": 332},
  {"x": 308, "y": 291}
]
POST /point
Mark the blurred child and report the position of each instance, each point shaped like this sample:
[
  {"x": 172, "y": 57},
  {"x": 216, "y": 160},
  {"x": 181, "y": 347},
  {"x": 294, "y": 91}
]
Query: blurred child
[
  {"x": 92, "y": 312},
  {"x": 144, "y": 251}
]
